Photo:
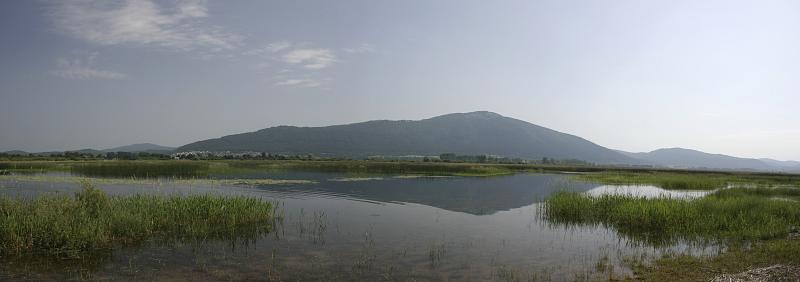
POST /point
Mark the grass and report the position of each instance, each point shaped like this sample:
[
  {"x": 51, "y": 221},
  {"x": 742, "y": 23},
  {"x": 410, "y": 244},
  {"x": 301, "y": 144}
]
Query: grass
[
  {"x": 735, "y": 260},
  {"x": 34, "y": 166},
  {"x": 152, "y": 181},
  {"x": 751, "y": 225},
  {"x": 142, "y": 169},
  {"x": 91, "y": 221},
  {"x": 375, "y": 167},
  {"x": 686, "y": 180},
  {"x": 726, "y": 216},
  {"x": 189, "y": 169},
  {"x": 788, "y": 193},
  {"x": 670, "y": 179}
]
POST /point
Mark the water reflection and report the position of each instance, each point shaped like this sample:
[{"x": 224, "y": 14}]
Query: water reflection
[{"x": 478, "y": 196}]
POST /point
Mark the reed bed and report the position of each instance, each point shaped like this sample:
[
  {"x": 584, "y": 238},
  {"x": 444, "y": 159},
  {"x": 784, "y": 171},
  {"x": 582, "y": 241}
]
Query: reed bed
[
  {"x": 688, "y": 180},
  {"x": 728, "y": 215},
  {"x": 91, "y": 221},
  {"x": 152, "y": 181},
  {"x": 23, "y": 166},
  {"x": 142, "y": 169},
  {"x": 373, "y": 167},
  {"x": 787, "y": 193}
]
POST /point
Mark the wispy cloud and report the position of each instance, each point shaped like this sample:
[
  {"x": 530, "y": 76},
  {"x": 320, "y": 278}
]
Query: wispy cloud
[
  {"x": 310, "y": 58},
  {"x": 294, "y": 64},
  {"x": 83, "y": 69},
  {"x": 363, "y": 48},
  {"x": 141, "y": 22},
  {"x": 300, "y": 82},
  {"x": 184, "y": 25},
  {"x": 295, "y": 54},
  {"x": 269, "y": 50},
  {"x": 278, "y": 46}
]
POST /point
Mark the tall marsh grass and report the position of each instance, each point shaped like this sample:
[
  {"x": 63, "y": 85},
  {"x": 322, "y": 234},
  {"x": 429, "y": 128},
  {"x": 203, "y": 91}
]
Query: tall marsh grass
[
  {"x": 374, "y": 167},
  {"x": 688, "y": 180},
  {"x": 23, "y": 166},
  {"x": 721, "y": 216},
  {"x": 142, "y": 169},
  {"x": 64, "y": 226}
]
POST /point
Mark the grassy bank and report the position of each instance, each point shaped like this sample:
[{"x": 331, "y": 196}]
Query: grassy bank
[
  {"x": 371, "y": 167},
  {"x": 689, "y": 180},
  {"x": 729, "y": 215},
  {"x": 736, "y": 259},
  {"x": 35, "y": 166},
  {"x": 151, "y": 181},
  {"x": 64, "y": 226},
  {"x": 751, "y": 223},
  {"x": 670, "y": 179},
  {"x": 199, "y": 169},
  {"x": 142, "y": 169}
]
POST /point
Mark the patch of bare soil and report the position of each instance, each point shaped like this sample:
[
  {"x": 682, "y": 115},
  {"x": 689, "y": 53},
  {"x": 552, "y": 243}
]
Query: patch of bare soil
[{"x": 777, "y": 273}]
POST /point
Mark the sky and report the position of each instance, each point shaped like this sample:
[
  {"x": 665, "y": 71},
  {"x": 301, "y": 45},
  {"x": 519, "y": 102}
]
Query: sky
[{"x": 717, "y": 76}]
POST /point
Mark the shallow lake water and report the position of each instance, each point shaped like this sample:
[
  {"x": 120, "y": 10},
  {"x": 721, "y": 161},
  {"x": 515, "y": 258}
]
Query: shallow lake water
[
  {"x": 645, "y": 192},
  {"x": 367, "y": 229}
]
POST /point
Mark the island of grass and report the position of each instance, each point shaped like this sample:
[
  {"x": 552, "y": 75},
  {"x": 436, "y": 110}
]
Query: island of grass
[
  {"x": 689, "y": 180},
  {"x": 757, "y": 226},
  {"x": 63, "y": 226}
]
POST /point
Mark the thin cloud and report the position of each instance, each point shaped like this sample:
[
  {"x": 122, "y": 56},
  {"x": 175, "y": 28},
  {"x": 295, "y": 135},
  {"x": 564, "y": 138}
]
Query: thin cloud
[
  {"x": 302, "y": 82},
  {"x": 292, "y": 64},
  {"x": 141, "y": 22},
  {"x": 269, "y": 50},
  {"x": 278, "y": 46},
  {"x": 310, "y": 58},
  {"x": 363, "y": 48},
  {"x": 82, "y": 69}
]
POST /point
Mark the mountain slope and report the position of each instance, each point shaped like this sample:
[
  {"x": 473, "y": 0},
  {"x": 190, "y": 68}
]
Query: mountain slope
[
  {"x": 789, "y": 164},
  {"x": 141, "y": 147},
  {"x": 460, "y": 133},
  {"x": 687, "y": 158}
]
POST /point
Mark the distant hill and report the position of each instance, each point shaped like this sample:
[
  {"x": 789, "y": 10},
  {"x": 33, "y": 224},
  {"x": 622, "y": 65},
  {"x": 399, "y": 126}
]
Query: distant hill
[
  {"x": 142, "y": 147},
  {"x": 789, "y": 164},
  {"x": 460, "y": 133},
  {"x": 687, "y": 158},
  {"x": 134, "y": 148},
  {"x": 88, "y": 151}
]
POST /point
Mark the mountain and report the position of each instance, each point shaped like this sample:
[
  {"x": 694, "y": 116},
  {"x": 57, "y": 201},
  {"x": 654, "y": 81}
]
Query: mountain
[
  {"x": 460, "y": 133},
  {"x": 687, "y": 158},
  {"x": 789, "y": 164},
  {"x": 142, "y": 147}
]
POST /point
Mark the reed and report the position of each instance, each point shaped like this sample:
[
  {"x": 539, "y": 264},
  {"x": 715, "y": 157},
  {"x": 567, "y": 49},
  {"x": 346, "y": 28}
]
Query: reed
[
  {"x": 687, "y": 180},
  {"x": 142, "y": 169},
  {"x": 64, "y": 226},
  {"x": 721, "y": 216},
  {"x": 375, "y": 167}
]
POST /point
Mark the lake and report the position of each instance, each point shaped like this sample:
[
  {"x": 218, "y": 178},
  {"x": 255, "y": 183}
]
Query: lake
[{"x": 368, "y": 228}]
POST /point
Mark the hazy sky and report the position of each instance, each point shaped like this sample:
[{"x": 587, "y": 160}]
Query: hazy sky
[{"x": 718, "y": 76}]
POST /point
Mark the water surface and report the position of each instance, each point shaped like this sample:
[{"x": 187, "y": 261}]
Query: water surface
[{"x": 367, "y": 228}]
